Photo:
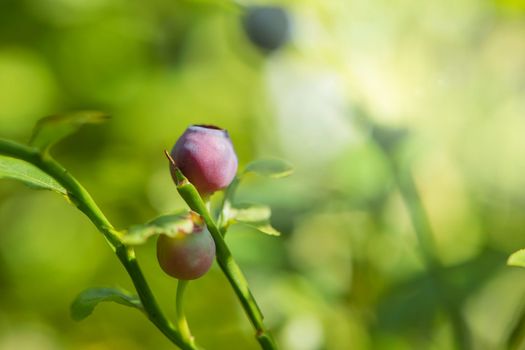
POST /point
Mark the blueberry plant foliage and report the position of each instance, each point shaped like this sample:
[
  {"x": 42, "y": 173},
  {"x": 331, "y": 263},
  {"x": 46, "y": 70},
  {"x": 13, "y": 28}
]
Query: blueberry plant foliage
[{"x": 33, "y": 165}]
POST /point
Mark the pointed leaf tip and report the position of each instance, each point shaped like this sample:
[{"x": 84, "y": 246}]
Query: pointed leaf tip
[
  {"x": 169, "y": 225},
  {"x": 85, "y": 302},
  {"x": 256, "y": 216},
  {"x": 517, "y": 258},
  {"x": 270, "y": 167},
  {"x": 266, "y": 229},
  {"x": 50, "y": 130},
  {"x": 30, "y": 175}
]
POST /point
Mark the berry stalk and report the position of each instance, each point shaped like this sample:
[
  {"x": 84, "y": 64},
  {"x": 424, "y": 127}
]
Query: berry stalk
[{"x": 226, "y": 262}]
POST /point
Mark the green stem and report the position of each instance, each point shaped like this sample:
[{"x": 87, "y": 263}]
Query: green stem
[
  {"x": 83, "y": 200},
  {"x": 388, "y": 142},
  {"x": 226, "y": 262},
  {"x": 182, "y": 323},
  {"x": 516, "y": 338},
  {"x": 418, "y": 216},
  {"x": 423, "y": 229}
]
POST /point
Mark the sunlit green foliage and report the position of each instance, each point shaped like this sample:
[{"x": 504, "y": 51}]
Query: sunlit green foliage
[{"x": 347, "y": 271}]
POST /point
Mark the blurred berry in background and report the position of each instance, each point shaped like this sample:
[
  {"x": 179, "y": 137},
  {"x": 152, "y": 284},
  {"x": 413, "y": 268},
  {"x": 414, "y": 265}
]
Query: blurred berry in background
[{"x": 267, "y": 27}]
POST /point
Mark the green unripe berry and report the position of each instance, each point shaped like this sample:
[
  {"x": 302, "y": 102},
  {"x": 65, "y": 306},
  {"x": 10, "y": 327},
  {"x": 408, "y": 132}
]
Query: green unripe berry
[{"x": 188, "y": 255}]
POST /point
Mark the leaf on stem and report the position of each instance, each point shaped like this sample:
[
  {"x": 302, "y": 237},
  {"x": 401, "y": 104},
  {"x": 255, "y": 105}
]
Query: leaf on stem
[
  {"x": 265, "y": 228},
  {"x": 86, "y": 301},
  {"x": 256, "y": 216},
  {"x": 30, "y": 175},
  {"x": 169, "y": 225},
  {"x": 52, "y": 129},
  {"x": 517, "y": 258},
  {"x": 269, "y": 167},
  {"x": 251, "y": 212}
]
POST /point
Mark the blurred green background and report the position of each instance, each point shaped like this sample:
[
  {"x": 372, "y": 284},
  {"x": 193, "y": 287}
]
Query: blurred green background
[{"x": 347, "y": 272}]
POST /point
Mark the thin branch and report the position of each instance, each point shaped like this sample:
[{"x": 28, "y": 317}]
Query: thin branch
[
  {"x": 83, "y": 200},
  {"x": 226, "y": 262}
]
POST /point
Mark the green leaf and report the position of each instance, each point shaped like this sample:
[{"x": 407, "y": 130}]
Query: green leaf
[
  {"x": 169, "y": 225},
  {"x": 517, "y": 258},
  {"x": 265, "y": 228},
  {"x": 270, "y": 167},
  {"x": 251, "y": 212},
  {"x": 11, "y": 168},
  {"x": 50, "y": 130},
  {"x": 86, "y": 301},
  {"x": 256, "y": 216}
]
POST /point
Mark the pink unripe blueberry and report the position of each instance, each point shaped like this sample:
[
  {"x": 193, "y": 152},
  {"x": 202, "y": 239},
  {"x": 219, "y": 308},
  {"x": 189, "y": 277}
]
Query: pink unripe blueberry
[
  {"x": 205, "y": 155},
  {"x": 186, "y": 256}
]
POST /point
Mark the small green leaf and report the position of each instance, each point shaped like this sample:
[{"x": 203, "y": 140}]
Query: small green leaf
[
  {"x": 50, "y": 130},
  {"x": 169, "y": 225},
  {"x": 256, "y": 216},
  {"x": 517, "y": 258},
  {"x": 86, "y": 301},
  {"x": 270, "y": 167},
  {"x": 265, "y": 228},
  {"x": 251, "y": 212},
  {"x": 11, "y": 168}
]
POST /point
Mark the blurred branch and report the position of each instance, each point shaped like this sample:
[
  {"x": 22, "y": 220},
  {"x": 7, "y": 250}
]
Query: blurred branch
[
  {"x": 421, "y": 225},
  {"x": 85, "y": 203},
  {"x": 516, "y": 338},
  {"x": 389, "y": 141}
]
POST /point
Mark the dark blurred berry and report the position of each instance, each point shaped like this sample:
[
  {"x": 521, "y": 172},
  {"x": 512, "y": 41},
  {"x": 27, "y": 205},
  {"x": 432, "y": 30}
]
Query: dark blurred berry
[{"x": 267, "y": 27}]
